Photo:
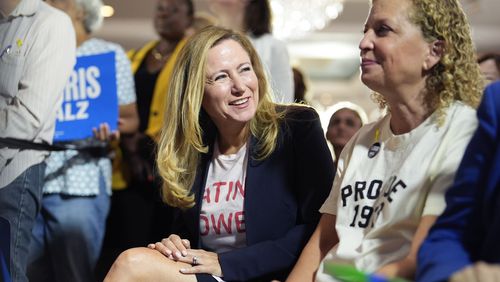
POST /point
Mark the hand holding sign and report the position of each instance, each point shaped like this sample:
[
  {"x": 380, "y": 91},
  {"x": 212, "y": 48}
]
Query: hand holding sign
[
  {"x": 90, "y": 98},
  {"x": 103, "y": 133}
]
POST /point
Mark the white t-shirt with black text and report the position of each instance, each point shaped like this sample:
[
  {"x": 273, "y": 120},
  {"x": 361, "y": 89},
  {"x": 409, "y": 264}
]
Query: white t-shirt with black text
[{"x": 381, "y": 192}]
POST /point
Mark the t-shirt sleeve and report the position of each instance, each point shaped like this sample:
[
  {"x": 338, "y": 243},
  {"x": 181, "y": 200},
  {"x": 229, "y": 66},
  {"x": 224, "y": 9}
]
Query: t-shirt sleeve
[
  {"x": 330, "y": 204},
  {"x": 447, "y": 159}
]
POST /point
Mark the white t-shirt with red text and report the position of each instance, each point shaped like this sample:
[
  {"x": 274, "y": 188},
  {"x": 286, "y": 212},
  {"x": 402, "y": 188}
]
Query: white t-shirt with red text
[{"x": 222, "y": 217}]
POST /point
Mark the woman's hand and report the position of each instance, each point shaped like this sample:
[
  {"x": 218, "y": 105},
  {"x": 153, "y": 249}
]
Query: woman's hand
[
  {"x": 179, "y": 249},
  {"x": 480, "y": 271},
  {"x": 103, "y": 133},
  {"x": 404, "y": 268},
  {"x": 172, "y": 247},
  {"x": 202, "y": 262}
]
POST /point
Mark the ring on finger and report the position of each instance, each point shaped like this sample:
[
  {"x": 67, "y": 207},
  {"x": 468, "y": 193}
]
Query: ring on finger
[{"x": 195, "y": 261}]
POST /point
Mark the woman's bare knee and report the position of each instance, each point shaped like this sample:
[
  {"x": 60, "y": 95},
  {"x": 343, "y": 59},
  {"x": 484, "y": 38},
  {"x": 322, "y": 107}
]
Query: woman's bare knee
[
  {"x": 129, "y": 265},
  {"x": 143, "y": 264}
]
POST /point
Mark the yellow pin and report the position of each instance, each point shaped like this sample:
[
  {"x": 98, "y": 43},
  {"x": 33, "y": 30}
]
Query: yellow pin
[
  {"x": 19, "y": 43},
  {"x": 377, "y": 134}
]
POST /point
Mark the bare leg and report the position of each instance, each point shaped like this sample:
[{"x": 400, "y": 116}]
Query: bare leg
[{"x": 143, "y": 264}]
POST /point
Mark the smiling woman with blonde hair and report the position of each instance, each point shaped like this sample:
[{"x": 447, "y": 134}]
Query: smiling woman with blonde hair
[
  {"x": 247, "y": 175},
  {"x": 185, "y": 112}
]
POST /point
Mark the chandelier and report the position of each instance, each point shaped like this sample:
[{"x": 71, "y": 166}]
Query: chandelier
[{"x": 294, "y": 18}]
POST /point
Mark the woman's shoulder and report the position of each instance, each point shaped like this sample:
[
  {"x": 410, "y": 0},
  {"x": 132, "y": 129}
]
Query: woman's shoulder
[
  {"x": 459, "y": 106},
  {"x": 297, "y": 112},
  {"x": 298, "y": 120},
  {"x": 459, "y": 113},
  {"x": 491, "y": 99},
  {"x": 48, "y": 18}
]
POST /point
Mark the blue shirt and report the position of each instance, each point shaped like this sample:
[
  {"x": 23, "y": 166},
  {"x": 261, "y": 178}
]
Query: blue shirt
[{"x": 469, "y": 229}]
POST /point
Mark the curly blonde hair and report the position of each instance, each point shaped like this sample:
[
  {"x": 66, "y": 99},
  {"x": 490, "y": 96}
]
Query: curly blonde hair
[
  {"x": 456, "y": 77},
  {"x": 188, "y": 130}
]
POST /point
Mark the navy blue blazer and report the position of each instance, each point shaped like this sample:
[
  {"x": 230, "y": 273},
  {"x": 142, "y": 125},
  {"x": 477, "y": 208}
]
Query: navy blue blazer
[
  {"x": 283, "y": 195},
  {"x": 469, "y": 229}
]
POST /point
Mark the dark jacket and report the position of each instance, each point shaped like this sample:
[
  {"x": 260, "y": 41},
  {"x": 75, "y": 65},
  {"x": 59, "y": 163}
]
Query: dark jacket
[
  {"x": 283, "y": 195},
  {"x": 469, "y": 229}
]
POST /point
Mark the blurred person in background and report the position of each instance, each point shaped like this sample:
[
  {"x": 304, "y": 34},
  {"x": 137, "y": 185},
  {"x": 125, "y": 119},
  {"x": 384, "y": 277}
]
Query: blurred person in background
[
  {"x": 254, "y": 19},
  {"x": 299, "y": 85},
  {"x": 200, "y": 21},
  {"x": 489, "y": 64},
  {"x": 69, "y": 231},
  {"x": 346, "y": 119},
  {"x": 37, "y": 54},
  {"x": 137, "y": 216}
]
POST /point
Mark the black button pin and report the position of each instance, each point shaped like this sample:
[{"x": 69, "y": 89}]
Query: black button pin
[{"x": 374, "y": 149}]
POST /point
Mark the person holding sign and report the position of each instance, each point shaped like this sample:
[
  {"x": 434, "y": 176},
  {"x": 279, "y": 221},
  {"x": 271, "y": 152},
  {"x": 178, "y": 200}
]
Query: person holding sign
[
  {"x": 137, "y": 216},
  {"x": 99, "y": 97},
  {"x": 247, "y": 175},
  {"x": 392, "y": 175},
  {"x": 37, "y": 52}
]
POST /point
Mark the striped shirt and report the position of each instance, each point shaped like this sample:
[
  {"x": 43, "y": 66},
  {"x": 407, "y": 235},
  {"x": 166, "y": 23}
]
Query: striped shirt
[{"x": 37, "y": 54}]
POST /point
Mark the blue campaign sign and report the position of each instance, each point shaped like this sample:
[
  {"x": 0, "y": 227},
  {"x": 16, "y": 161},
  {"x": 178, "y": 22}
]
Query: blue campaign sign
[{"x": 90, "y": 98}]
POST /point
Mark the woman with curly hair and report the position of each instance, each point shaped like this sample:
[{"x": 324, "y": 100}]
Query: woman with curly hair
[
  {"x": 247, "y": 175},
  {"x": 391, "y": 177}
]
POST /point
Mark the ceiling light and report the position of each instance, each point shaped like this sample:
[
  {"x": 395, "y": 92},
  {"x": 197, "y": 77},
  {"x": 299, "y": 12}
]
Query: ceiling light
[
  {"x": 294, "y": 18},
  {"x": 107, "y": 11}
]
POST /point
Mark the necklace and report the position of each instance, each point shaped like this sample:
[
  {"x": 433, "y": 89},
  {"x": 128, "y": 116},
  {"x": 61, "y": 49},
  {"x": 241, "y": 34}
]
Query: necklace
[{"x": 157, "y": 55}]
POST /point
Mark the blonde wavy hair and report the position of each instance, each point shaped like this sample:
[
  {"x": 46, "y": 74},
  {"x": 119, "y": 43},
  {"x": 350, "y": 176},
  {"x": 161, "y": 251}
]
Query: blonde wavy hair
[
  {"x": 456, "y": 77},
  {"x": 188, "y": 131}
]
